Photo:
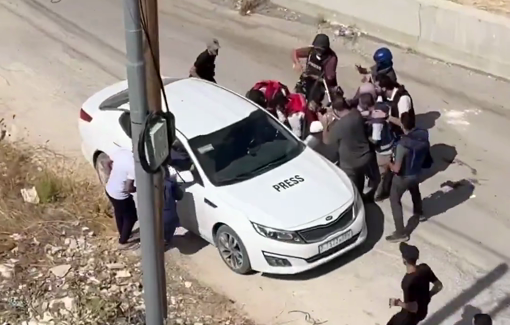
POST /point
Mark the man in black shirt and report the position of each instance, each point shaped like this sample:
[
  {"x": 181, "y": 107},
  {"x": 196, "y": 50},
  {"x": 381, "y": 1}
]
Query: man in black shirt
[
  {"x": 416, "y": 289},
  {"x": 346, "y": 132},
  {"x": 204, "y": 67}
]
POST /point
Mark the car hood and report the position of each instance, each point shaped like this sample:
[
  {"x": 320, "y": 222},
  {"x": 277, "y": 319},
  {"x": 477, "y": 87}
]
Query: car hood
[{"x": 292, "y": 195}]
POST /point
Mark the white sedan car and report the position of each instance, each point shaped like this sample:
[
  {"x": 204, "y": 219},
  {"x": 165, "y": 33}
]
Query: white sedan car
[{"x": 252, "y": 189}]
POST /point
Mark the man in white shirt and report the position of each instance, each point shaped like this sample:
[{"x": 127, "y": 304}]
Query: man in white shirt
[
  {"x": 119, "y": 189},
  {"x": 399, "y": 99}
]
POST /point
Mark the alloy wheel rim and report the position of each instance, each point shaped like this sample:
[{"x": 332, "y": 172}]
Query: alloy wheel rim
[{"x": 230, "y": 251}]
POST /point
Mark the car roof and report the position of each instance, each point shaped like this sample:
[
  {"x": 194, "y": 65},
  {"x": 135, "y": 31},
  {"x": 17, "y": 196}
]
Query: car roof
[{"x": 200, "y": 107}]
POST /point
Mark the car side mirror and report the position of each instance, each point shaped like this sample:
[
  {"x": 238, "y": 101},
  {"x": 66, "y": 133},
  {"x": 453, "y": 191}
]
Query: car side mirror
[{"x": 185, "y": 177}]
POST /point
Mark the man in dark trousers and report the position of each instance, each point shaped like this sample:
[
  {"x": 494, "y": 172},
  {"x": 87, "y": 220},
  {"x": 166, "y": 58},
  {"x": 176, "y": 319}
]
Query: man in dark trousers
[
  {"x": 346, "y": 132},
  {"x": 412, "y": 154},
  {"x": 415, "y": 288},
  {"x": 482, "y": 319},
  {"x": 204, "y": 66}
]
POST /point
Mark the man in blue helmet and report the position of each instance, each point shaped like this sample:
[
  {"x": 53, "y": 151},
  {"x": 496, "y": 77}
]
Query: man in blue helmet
[{"x": 383, "y": 65}]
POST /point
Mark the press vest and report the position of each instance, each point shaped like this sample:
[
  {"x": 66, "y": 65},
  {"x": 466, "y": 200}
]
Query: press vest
[
  {"x": 314, "y": 65},
  {"x": 388, "y": 140},
  {"x": 418, "y": 146},
  {"x": 394, "y": 109}
]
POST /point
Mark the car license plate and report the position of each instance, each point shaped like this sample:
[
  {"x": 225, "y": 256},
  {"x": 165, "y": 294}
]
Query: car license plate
[{"x": 335, "y": 242}]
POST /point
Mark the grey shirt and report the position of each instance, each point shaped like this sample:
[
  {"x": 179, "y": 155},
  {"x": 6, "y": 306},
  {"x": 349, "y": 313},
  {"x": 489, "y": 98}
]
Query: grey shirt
[
  {"x": 349, "y": 136},
  {"x": 401, "y": 153}
]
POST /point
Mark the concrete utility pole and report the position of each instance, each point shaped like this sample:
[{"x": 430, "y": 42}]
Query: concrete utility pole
[
  {"x": 149, "y": 11},
  {"x": 151, "y": 257}
]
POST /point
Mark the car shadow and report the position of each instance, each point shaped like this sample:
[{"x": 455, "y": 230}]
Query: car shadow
[
  {"x": 427, "y": 120},
  {"x": 443, "y": 156},
  {"x": 375, "y": 225},
  {"x": 188, "y": 243},
  {"x": 450, "y": 195}
]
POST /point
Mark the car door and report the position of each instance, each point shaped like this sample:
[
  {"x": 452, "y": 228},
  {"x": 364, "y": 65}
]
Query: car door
[{"x": 194, "y": 209}]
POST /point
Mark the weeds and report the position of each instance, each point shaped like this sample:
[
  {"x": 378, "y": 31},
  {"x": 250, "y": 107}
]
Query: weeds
[{"x": 247, "y": 7}]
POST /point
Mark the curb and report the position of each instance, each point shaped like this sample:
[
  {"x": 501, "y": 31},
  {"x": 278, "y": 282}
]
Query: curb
[{"x": 437, "y": 28}]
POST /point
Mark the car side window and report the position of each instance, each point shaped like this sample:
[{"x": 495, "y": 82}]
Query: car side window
[
  {"x": 181, "y": 161},
  {"x": 125, "y": 123}
]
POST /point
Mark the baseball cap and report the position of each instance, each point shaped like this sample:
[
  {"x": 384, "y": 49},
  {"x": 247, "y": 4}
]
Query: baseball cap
[
  {"x": 213, "y": 45},
  {"x": 409, "y": 252}
]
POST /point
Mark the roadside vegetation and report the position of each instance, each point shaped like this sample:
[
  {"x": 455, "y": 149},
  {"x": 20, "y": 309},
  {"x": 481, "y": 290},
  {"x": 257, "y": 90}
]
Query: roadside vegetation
[{"x": 58, "y": 262}]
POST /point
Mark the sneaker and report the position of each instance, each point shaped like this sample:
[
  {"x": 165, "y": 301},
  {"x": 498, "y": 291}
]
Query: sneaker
[
  {"x": 129, "y": 246},
  {"x": 421, "y": 217},
  {"x": 397, "y": 238}
]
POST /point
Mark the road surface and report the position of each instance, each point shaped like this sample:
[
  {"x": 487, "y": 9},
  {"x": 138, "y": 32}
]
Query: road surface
[{"x": 55, "y": 55}]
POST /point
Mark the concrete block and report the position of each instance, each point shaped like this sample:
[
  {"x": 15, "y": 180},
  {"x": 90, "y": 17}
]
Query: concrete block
[{"x": 438, "y": 28}]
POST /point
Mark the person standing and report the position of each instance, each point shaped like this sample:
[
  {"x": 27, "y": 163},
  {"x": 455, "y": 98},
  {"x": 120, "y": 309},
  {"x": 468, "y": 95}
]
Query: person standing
[
  {"x": 205, "y": 66},
  {"x": 415, "y": 288},
  {"x": 482, "y": 319},
  {"x": 399, "y": 99},
  {"x": 412, "y": 154},
  {"x": 346, "y": 131},
  {"x": 383, "y": 59},
  {"x": 119, "y": 189},
  {"x": 172, "y": 193}
]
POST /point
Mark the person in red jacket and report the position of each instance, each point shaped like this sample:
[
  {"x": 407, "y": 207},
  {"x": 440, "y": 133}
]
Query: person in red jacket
[{"x": 289, "y": 108}]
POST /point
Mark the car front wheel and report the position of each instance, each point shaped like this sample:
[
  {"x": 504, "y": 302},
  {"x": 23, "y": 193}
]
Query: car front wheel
[
  {"x": 232, "y": 250},
  {"x": 103, "y": 168}
]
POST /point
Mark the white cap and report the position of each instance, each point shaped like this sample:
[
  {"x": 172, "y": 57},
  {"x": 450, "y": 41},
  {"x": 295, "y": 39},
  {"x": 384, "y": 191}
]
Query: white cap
[{"x": 316, "y": 127}]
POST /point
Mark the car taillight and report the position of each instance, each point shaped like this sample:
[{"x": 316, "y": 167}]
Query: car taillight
[{"x": 84, "y": 116}]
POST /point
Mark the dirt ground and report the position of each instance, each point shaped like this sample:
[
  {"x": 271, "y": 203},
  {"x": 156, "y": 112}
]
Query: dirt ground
[
  {"x": 58, "y": 260},
  {"x": 500, "y": 7}
]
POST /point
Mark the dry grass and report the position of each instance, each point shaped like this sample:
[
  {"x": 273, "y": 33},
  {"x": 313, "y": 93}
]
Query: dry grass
[
  {"x": 64, "y": 197},
  {"x": 247, "y": 7}
]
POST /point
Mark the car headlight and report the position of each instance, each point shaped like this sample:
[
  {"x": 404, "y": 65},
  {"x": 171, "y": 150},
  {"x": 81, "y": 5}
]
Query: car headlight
[
  {"x": 280, "y": 235},
  {"x": 358, "y": 202}
]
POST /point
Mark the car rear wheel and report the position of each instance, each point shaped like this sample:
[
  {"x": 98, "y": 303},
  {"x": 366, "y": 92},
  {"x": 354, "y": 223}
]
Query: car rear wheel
[
  {"x": 232, "y": 250},
  {"x": 103, "y": 168}
]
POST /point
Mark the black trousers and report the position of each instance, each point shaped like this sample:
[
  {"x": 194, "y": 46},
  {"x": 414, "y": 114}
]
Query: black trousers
[
  {"x": 404, "y": 317},
  {"x": 357, "y": 175},
  {"x": 125, "y": 216},
  {"x": 400, "y": 185}
]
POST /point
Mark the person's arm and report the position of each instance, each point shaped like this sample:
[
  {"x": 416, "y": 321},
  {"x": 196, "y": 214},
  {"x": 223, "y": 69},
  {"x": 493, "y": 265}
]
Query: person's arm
[
  {"x": 298, "y": 54},
  {"x": 409, "y": 306},
  {"x": 198, "y": 62},
  {"x": 130, "y": 184},
  {"x": 404, "y": 105},
  {"x": 330, "y": 72},
  {"x": 437, "y": 285},
  {"x": 400, "y": 153}
]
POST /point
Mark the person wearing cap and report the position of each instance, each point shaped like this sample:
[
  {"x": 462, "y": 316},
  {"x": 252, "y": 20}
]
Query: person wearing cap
[
  {"x": 321, "y": 64},
  {"x": 415, "y": 288},
  {"x": 482, "y": 319},
  {"x": 204, "y": 66}
]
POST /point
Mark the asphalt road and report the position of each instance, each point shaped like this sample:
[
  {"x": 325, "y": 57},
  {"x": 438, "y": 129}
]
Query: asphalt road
[{"x": 55, "y": 55}]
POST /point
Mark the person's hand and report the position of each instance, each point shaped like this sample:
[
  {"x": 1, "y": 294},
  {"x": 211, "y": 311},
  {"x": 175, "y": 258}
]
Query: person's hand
[
  {"x": 364, "y": 79},
  {"x": 379, "y": 114},
  {"x": 360, "y": 69},
  {"x": 395, "y": 302},
  {"x": 298, "y": 67}
]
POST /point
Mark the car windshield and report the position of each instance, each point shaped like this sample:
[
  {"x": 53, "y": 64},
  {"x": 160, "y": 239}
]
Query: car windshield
[{"x": 245, "y": 149}]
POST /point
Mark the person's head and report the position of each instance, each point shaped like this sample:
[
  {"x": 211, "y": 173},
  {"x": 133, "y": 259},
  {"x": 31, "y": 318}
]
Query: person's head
[
  {"x": 321, "y": 44},
  {"x": 257, "y": 97},
  {"x": 366, "y": 101},
  {"x": 408, "y": 122},
  {"x": 410, "y": 254},
  {"x": 386, "y": 84},
  {"x": 280, "y": 100},
  {"x": 482, "y": 319},
  {"x": 213, "y": 46},
  {"x": 383, "y": 58},
  {"x": 339, "y": 106}
]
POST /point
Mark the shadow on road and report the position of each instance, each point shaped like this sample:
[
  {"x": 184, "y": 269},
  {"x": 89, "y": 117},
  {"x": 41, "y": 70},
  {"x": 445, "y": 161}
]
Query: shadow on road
[
  {"x": 467, "y": 315},
  {"x": 188, "y": 243},
  {"x": 427, "y": 120},
  {"x": 449, "y": 196},
  {"x": 375, "y": 224},
  {"x": 443, "y": 156},
  {"x": 466, "y": 296}
]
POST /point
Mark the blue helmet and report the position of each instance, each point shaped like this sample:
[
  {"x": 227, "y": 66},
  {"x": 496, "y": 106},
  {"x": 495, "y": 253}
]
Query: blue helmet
[{"x": 383, "y": 55}]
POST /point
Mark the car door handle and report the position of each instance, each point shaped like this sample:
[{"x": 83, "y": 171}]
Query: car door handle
[{"x": 210, "y": 203}]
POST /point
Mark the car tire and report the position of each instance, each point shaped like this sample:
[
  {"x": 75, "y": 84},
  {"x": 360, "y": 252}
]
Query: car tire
[
  {"x": 232, "y": 250},
  {"x": 103, "y": 169}
]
